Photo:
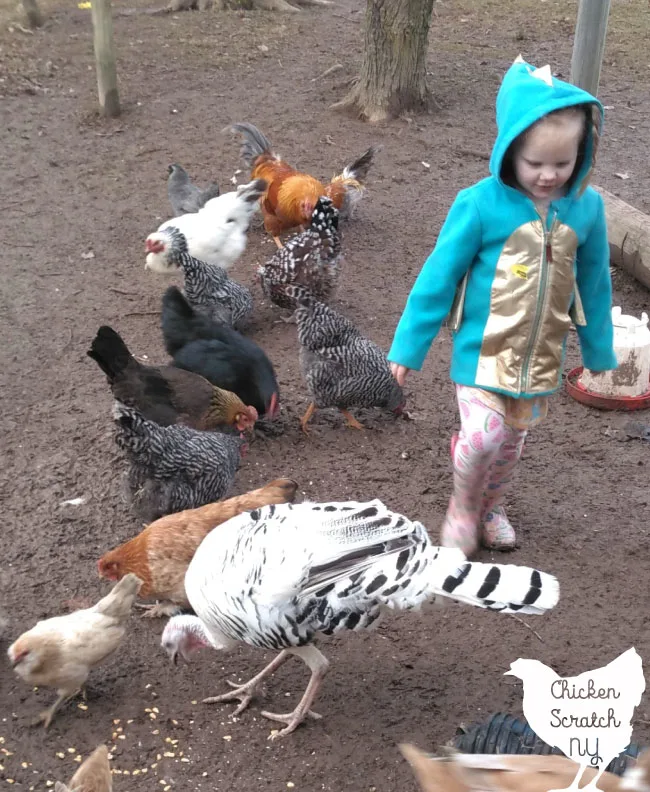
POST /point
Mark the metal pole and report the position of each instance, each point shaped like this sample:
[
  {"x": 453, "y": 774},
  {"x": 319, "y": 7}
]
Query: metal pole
[{"x": 589, "y": 44}]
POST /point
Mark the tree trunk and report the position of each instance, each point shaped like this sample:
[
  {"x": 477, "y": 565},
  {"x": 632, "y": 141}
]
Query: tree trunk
[
  {"x": 393, "y": 69},
  {"x": 32, "y": 13}
]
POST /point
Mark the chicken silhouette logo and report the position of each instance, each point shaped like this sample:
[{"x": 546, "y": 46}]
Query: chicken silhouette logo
[{"x": 588, "y": 717}]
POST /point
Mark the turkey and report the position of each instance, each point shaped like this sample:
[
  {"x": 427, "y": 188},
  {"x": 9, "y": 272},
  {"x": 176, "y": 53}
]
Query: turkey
[
  {"x": 207, "y": 286},
  {"x": 280, "y": 575}
]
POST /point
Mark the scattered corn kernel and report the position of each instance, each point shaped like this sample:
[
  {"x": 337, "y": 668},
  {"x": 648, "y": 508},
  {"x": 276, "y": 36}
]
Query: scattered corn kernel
[
  {"x": 126, "y": 772},
  {"x": 135, "y": 772},
  {"x": 49, "y": 783},
  {"x": 156, "y": 731},
  {"x": 82, "y": 706},
  {"x": 10, "y": 781},
  {"x": 169, "y": 754},
  {"x": 154, "y": 765},
  {"x": 167, "y": 788},
  {"x": 152, "y": 715},
  {"x": 194, "y": 701},
  {"x": 227, "y": 737},
  {"x": 155, "y": 709},
  {"x": 121, "y": 736},
  {"x": 24, "y": 764},
  {"x": 130, "y": 720},
  {"x": 77, "y": 758},
  {"x": 185, "y": 759},
  {"x": 61, "y": 755},
  {"x": 175, "y": 722},
  {"x": 290, "y": 785},
  {"x": 147, "y": 709},
  {"x": 116, "y": 721}
]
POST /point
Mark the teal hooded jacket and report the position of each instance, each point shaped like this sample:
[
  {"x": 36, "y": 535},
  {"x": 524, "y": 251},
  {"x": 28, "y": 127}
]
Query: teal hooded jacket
[{"x": 515, "y": 281}]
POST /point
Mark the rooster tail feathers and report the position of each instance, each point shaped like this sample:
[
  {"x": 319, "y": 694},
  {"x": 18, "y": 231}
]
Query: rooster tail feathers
[
  {"x": 110, "y": 352},
  {"x": 358, "y": 170},
  {"x": 502, "y": 587},
  {"x": 254, "y": 142},
  {"x": 119, "y": 601}
]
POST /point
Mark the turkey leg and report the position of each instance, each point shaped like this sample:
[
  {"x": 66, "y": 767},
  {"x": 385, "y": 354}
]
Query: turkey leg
[
  {"x": 319, "y": 666},
  {"x": 245, "y": 693}
]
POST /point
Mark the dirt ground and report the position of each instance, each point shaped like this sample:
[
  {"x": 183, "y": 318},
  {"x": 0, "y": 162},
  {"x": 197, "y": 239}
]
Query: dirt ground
[{"x": 73, "y": 183}]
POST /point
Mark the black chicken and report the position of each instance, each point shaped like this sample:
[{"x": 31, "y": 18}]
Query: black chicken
[
  {"x": 167, "y": 395},
  {"x": 220, "y": 354}
]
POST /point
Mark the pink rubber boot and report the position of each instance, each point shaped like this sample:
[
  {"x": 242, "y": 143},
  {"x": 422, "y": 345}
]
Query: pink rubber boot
[
  {"x": 497, "y": 532},
  {"x": 472, "y": 457}
]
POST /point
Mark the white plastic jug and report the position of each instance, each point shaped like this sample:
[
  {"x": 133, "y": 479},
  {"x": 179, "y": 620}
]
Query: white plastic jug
[{"x": 632, "y": 347}]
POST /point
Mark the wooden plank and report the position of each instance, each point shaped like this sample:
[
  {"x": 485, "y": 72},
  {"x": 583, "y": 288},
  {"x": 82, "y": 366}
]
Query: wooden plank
[
  {"x": 629, "y": 237},
  {"x": 109, "y": 100},
  {"x": 589, "y": 44}
]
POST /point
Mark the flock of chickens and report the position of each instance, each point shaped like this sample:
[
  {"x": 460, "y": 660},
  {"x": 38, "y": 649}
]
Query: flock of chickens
[{"x": 258, "y": 568}]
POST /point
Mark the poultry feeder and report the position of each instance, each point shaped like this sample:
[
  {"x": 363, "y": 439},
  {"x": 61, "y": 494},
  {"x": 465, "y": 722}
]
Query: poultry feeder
[{"x": 628, "y": 386}]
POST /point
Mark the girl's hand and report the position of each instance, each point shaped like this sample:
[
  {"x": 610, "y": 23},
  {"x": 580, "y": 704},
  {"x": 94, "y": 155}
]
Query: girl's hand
[{"x": 399, "y": 372}]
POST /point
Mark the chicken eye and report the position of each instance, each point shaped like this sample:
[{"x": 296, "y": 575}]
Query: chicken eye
[{"x": 230, "y": 220}]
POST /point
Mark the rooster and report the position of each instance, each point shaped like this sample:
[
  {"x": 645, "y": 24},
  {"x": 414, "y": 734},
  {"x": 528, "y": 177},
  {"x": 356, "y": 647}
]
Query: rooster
[
  {"x": 278, "y": 576},
  {"x": 216, "y": 233},
  {"x": 174, "y": 467},
  {"x": 166, "y": 394},
  {"x": 220, "y": 354},
  {"x": 61, "y": 652},
  {"x": 341, "y": 367},
  {"x": 291, "y": 196},
  {"x": 184, "y": 196},
  {"x": 161, "y": 553},
  {"x": 309, "y": 259},
  {"x": 207, "y": 286}
]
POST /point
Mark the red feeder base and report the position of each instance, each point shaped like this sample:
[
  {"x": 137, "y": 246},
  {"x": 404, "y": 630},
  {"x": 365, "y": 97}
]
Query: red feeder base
[{"x": 600, "y": 402}]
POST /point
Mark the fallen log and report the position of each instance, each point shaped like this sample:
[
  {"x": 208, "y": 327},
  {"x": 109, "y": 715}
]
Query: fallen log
[{"x": 629, "y": 237}]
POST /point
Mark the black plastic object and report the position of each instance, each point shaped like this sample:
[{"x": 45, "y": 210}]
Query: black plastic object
[{"x": 506, "y": 734}]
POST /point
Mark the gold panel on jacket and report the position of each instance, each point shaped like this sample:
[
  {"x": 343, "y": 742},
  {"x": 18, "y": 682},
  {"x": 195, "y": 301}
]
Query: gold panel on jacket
[{"x": 529, "y": 311}]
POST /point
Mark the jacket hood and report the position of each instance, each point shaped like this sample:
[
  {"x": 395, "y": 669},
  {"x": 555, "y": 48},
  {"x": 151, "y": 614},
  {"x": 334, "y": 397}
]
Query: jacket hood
[{"x": 528, "y": 93}]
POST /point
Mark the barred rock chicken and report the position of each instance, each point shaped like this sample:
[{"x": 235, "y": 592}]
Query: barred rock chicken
[
  {"x": 309, "y": 259},
  {"x": 216, "y": 233},
  {"x": 174, "y": 467},
  {"x": 166, "y": 394},
  {"x": 277, "y": 577},
  {"x": 161, "y": 553},
  {"x": 184, "y": 196},
  {"x": 93, "y": 775},
  {"x": 220, "y": 354},
  {"x": 341, "y": 367},
  {"x": 207, "y": 286},
  {"x": 61, "y": 652},
  {"x": 291, "y": 196}
]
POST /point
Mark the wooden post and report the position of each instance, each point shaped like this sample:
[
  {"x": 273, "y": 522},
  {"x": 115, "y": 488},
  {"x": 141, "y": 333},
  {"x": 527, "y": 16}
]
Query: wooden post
[
  {"x": 32, "y": 13},
  {"x": 109, "y": 100},
  {"x": 589, "y": 44},
  {"x": 628, "y": 230}
]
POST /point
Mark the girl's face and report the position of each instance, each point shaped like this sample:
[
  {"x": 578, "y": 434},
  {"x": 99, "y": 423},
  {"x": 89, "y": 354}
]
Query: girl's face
[{"x": 545, "y": 160}]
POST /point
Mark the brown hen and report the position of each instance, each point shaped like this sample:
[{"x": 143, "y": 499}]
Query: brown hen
[
  {"x": 167, "y": 395},
  {"x": 161, "y": 553}
]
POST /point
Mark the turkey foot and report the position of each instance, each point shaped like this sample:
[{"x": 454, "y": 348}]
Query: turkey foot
[
  {"x": 319, "y": 666},
  {"x": 351, "y": 421},
  {"x": 246, "y": 692}
]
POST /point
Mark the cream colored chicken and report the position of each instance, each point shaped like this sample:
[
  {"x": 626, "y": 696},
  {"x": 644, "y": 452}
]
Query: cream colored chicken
[
  {"x": 62, "y": 651},
  {"x": 94, "y": 775},
  {"x": 459, "y": 772}
]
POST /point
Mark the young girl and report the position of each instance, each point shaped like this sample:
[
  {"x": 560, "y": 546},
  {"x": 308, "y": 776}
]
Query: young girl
[{"x": 520, "y": 255}]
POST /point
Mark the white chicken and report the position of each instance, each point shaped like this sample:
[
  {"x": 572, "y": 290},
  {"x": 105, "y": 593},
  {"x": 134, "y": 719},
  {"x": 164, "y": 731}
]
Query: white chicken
[
  {"x": 278, "y": 576},
  {"x": 216, "y": 234},
  {"x": 588, "y": 717}
]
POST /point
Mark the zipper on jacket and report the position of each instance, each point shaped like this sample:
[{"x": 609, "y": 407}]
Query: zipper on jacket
[{"x": 546, "y": 258}]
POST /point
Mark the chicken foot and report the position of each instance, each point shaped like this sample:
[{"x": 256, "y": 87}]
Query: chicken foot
[
  {"x": 246, "y": 692},
  {"x": 350, "y": 420},
  {"x": 306, "y": 418},
  {"x": 158, "y": 609},
  {"x": 319, "y": 666},
  {"x": 46, "y": 716}
]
